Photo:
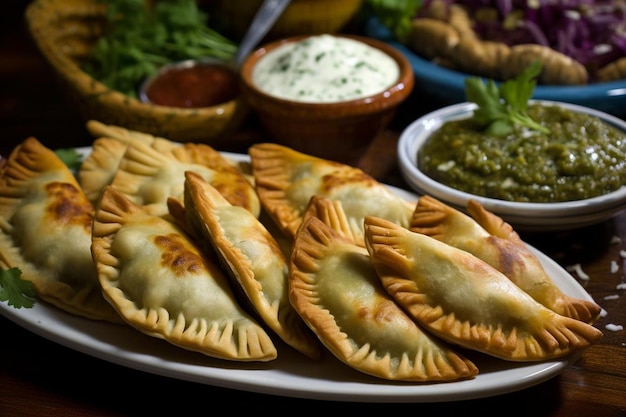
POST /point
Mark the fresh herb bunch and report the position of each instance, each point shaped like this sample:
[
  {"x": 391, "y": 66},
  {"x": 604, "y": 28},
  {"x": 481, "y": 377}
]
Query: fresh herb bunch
[
  {"x": 140, "y": 36},
  {"x": 501, "y": 107}
]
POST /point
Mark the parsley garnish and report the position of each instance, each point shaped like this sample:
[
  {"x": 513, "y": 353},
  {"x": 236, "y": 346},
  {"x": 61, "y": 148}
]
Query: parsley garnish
[
  {"x": 502, "y": 107},
  {"x": 70, "y": 157},
  {"x": 17, "y": 291}
]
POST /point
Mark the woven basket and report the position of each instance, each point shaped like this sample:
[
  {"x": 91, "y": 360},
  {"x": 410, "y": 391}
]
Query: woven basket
[{"x": 65, "y": 30}]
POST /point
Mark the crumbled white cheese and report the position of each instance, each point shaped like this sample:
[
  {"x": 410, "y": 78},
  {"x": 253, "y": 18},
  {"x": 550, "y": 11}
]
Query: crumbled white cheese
[
  {"x": 603, "y": 313},
  {"x": 614, "y": 327},
  {"x": 611, "y": 297},
  {"x": 614, "y": 267},
  {"x": 602, "y": 48},
  {"x": 622, "y": 253},
  {"x": 509, "y": 183},
  {"x": 446, "y": 166},
  {"x": 572, "y": 14},
  {"x": 577, "y": 268},
  {"x": 621, "y": 286},
  {"x": 615, "y": 240}
]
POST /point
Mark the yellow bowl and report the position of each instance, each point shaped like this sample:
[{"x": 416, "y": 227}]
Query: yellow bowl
[
  {"x": 65, "y": 30},
  {"x": 301, "y": 17}
]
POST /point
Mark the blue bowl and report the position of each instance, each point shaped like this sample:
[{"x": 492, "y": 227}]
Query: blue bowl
[{"x": 448, "y": 86}]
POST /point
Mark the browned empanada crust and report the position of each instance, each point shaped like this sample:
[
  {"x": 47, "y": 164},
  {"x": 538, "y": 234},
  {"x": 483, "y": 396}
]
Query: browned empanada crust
[
  {"x": 46, "y": 224},
  {"x": 231, "y": 181},
  {"x": 108, "y": 148},
  {"x": 163, "y": 285},
  {"x": 251, "y": 256},
  {"x": 335, "y": 289},
  {"x": 491, "y": 239},
  {"x": 100, "y": 130},
  {"x": 465, "y": 301},
  {"x": 99, "y": 167},
  {"x": 535, "y": 281},
  {"x": 493, "y": 224},
  {"x": 149, "y": 177},
  {"x": 286, "y": 180}
]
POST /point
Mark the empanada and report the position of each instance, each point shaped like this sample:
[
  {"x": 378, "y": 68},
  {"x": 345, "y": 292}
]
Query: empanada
[
  {"x": 101, "y": 130},
  {"x": 149, "y": 177},
  {"x": 161, "y": 283},
  {"x": 488, "y": 237},
  {"x": 99, "y": 167},
  {"x": 465, "y": 301},
  {"x": 252, "y": 257},
  {"x": 334, "y": 287},
  {"x": 286, "y": 180},
  {"x": 46, "y": 231}
]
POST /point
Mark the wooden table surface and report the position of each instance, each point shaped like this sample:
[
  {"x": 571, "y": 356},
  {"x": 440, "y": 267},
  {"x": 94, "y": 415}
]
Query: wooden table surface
[{"x": 41, "y": 378}]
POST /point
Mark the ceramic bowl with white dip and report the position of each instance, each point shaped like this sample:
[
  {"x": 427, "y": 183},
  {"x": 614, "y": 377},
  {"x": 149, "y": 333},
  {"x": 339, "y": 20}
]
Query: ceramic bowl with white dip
[{"x": 326, "y": 95}]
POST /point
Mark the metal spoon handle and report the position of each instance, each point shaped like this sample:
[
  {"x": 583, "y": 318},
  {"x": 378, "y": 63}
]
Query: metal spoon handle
[{"x": 265, "y": 17}]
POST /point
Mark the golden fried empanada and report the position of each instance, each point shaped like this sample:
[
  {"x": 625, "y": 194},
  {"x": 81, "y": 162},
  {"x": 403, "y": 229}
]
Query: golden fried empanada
[
  {"x": 101, "y": 130},
  {"x": 464, "y": 300},
  {"x": 488, "y": 237},
  {"x": 149, "y": 177},
  {"x": 161, "y": 283},
  {"x": 286, "y": 180},
  {"x": 46, "y": 231},
  {"x": 253, "y": 258},
  {"x": 334, "y": 287},
  {"x": 100, "y": 166}
]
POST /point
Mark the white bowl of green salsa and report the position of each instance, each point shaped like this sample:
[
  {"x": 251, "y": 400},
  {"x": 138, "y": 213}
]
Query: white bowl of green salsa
[{"x": 574, "y": 176}]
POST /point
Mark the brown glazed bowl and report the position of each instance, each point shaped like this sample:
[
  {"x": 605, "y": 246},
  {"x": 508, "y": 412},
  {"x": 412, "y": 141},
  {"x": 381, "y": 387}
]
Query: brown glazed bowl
[{"x": 339, "y": 131}]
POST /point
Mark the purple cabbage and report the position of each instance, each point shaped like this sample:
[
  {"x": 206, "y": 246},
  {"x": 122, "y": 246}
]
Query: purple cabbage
[{"x": 592, "y": 32}]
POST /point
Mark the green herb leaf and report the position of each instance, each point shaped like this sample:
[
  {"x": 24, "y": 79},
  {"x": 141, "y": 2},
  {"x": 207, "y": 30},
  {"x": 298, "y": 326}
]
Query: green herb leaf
[
  {"x": 502, "y": 107},
  {"x": 15, "y": 290},
  {"x": 395, "y": 15},
  {"x": 70, "y": 157}
]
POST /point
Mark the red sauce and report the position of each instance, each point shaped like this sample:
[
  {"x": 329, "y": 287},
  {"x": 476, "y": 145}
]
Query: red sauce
[{"x": 197, "y": 86}]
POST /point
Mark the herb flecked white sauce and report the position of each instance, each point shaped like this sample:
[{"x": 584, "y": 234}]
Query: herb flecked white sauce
[{"x": 325, "y": 68}]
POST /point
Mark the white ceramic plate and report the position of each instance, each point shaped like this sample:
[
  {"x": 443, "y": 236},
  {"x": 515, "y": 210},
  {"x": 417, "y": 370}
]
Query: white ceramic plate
[
  {"x": 523, "y": 216},
  {"x": 292, "y": 374}
]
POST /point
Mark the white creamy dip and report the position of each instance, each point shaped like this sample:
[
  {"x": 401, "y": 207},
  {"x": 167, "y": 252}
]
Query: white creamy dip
[{"x": 325, "y": 68}]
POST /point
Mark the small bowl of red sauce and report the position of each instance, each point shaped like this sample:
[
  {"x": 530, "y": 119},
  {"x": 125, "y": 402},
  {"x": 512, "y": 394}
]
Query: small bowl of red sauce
[{"x": 192, "y": 84}]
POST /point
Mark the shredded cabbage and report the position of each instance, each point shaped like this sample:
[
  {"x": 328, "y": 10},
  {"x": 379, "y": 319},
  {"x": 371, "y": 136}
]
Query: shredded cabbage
[{"x": 592, "y": 32}]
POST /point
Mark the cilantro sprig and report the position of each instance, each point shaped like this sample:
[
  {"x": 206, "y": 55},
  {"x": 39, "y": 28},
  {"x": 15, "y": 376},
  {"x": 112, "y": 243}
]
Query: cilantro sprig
[
  {"x": 501, "y": 107},
  {"x": 16, "y": 291}
]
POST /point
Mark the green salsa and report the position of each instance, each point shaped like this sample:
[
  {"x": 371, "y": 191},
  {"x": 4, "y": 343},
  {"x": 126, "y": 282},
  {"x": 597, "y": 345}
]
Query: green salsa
[{"x": 582, "y": 157}]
